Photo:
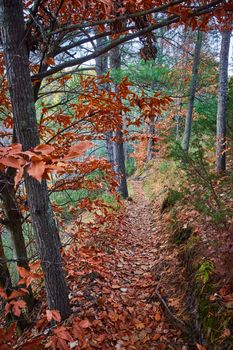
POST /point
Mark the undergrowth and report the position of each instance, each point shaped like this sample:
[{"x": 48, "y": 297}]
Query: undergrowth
[{"x": 196, "y": 214}]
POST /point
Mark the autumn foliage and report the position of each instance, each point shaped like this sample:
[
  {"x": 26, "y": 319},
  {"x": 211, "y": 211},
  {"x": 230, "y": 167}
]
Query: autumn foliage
[{"x": 108, "y": 248}]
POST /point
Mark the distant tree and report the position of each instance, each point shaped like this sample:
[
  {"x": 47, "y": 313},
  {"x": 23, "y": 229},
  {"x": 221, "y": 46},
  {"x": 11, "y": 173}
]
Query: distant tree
[
  {"x": 222, "y": 102},
  {"x": 118, "y": 145},
  {"x": 192, "y": 91}
]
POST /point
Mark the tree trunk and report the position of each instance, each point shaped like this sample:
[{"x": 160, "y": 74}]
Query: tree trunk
[
  {"x": 101, "y": 69},
  {"x": 22, "y": 99},
  {"x": 13, "y": 224},
  {"x": 192, "y": 92},
  {"x": 222, "y": 102},
  {"x": 13, "y": 216},
  {"x": 5, "y": 278},
  {"x": 151, "y": 143},
  {"x": 118, "y": 146}
]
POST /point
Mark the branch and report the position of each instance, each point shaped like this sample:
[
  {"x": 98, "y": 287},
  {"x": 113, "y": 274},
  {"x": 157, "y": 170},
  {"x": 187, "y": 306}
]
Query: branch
[
  {"x": 120, "y": 18},
  {"x": 170, "y": 20},
  {"x": 116, "y": 42}
]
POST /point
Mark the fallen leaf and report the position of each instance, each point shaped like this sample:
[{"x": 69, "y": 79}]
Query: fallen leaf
[{"x": 85, "y": 323}]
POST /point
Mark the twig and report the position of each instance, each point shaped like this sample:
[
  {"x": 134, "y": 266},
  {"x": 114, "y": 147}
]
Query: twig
[{"x": 169, "y": 311}]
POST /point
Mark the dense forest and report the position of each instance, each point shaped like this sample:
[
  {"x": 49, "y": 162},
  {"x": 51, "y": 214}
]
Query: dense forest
[{"x": 116, "y": 174}]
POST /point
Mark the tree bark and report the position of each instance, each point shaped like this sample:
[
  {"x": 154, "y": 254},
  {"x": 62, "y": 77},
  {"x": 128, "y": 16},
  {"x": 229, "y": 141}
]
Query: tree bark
[
  {"x": 21, "y": 93},
  {"x": 13, "y": 224},
  {"x": 192, "y": 92},
  {"x": 222, "y": 103},
  {"x": 118, "y": 146},
  {"x": 151, "y": 143},
  {"x": 101, "y": 69},
  {"x": 13, "y": 216},
  {"x": 5, "y": 278}
]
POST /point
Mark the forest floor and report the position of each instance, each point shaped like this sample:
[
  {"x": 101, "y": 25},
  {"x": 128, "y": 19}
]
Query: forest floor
[
  {"x": 149, "y": 325},
  {"x": 128, "y": 289},
  {"x": 141, "y": 277},
  {"x": 118, "y": 290},
  {"x": 132, "y": 287}
]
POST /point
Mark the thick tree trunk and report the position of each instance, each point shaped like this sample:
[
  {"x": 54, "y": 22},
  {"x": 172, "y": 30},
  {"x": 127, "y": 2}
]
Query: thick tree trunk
[
  {"x": 222, "y": 103},
  {"x": 101, "y": 69},
  {"x": 118, "y": 146},
  {"x": 22, "y": 99},
  {"x": 192, "y": 92}
]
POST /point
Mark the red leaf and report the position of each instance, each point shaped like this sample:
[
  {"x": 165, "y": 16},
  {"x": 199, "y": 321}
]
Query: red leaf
[
  {"x": 2, "y": 293},
  {"x": 17, "y": 294},
  {"x": 63, "y": 333},
  {"x": 34, "y": 344},
  {"x": 18, "y": 306},
  {"x": 53, "y": 315}
]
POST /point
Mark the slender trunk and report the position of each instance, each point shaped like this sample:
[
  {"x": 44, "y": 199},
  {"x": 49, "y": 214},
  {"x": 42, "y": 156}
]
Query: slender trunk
[
  {"x": 13, "y": 216},
  {"x": 192, "y": 92},
  {"x": 13, "y": 223},
  {"x": 222, "y": 103},
  {"x": 22, "y": 99},
  {"x": 5, "y": 278},
  {"x": 151, "y": 143},
  {"x": 118, "y": 146},
  {"x": 101, "y": 69},
  {"x": 109, "y": 146}
]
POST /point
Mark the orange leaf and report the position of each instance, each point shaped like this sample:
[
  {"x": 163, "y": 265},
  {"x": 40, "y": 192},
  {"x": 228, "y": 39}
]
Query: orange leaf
[
  {"x": 50, "y": 61},
  {"x": 156, "y": 336},
  {"x": 44, "y": 149},
  {"x": 37, "y": 169},
  {"x": 23, "y": 272},
  {"x": 140, "y": 325},
  {"x": 158, "y": 317},
  {"x": 85, "y": 323},
  {"x": 15, "y": 148},
  {"x": 78, "y": 150},
  {"x": 11, "y": 162}
]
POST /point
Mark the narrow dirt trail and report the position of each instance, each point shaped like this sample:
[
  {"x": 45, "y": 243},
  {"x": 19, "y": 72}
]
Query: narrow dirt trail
[
  {"x": 118, "y": 294},
  {"x": 142, "y": 320}
]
